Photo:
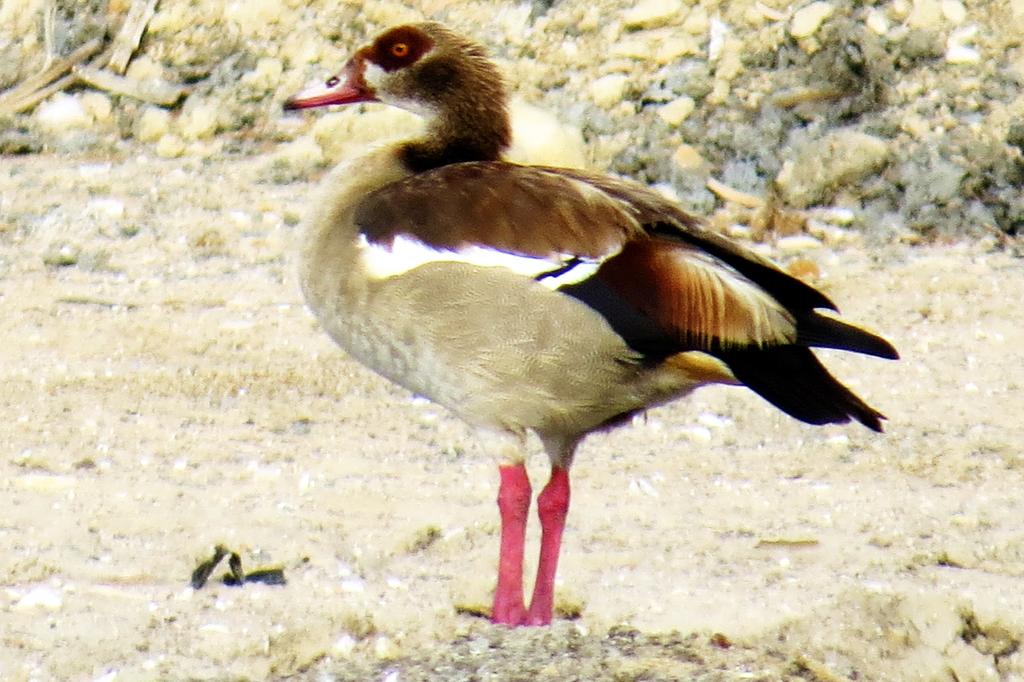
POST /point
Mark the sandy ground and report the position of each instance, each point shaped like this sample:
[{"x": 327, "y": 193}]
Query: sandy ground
[{"x": 165, "y": 390}]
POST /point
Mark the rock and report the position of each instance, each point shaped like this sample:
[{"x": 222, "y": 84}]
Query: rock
[
  {"x": 837, "y": 159},
  {"x": 293, "y": 160},
  {"x": 198, "y": 120},
  {"x": 954, "y": 11},
  {"x": 42, "y": 597},
  {"x": 797, "y": 243},
  {"x": 59, "y": 254},
  {"x": 967, "y": 663},
  {"x": 170, "y": 147},
  {"x": 687, "y": 158},
  {"x": 957, "y": 50},
  {"x": 254, "y": 17},
  {"x": 609, "y": 90},
  {"x": 877, "y": 22},
  {"x": 266, "y": 76},
  {"x": 62, "y": 113},
  {"x": 808, "y": 19},
  {"x": 98, "y": 105},
  {"x": 925, "y": 14},
  {"x": 651, "y": 13},
  {"x": 142, "y": 68},
  {"x": 697, "y": 22},
  {"x": 676, "y": 111},
  {"x": 152, "y": 124},
  {"x": 675, "y": 46}
]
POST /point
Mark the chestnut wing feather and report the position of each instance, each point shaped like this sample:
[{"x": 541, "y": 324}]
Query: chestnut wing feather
[
  {"x": 696, "y": 290},
  {"x": 517, "y": 209}
]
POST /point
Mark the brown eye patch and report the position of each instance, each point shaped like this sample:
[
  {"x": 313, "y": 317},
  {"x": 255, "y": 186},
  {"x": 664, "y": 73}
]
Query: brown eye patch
[{"x": 399, "y": 47}]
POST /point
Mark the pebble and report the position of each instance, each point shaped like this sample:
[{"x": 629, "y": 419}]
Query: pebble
[
  {"x": 840, "y": 158},
  {"x": 108, "y": 207},
  {"x": 687, "y": 158},
  {"x": 797, "y": 243},
  {"x": 143, "y": 68},
  {"x": 697, "y": 22},
  {"x": 718, "y": 31},
  {"x": 676, "y": 111},
  {"x": 925, "y": 14},
  {"x": 60, "y": 254},
  {"x": 877, "y": 22},
  {"x": 672, "y": 48},
  {"x": 954, "y": 11},
  {"x": 254, "y": 16},
  {"x": 344, "y": 646},
  {"x": 957, "y": 50},
  {"x": 294, "y": 160},
  {"x": 608, "y": 90},
  {"x": 41, "y": 597},
  {"x": 63, "y": 112},
  {"x": 152, "y": 124},
  {"x": 384, "y": 648},
  {"x": 808, "y": 19},
  {"x": 266, "y": 76},
  {"x": 198, "y": 121},
  {"x": 651, "y": 13},
  {"x": 98, "y": 105},
  {"x": 170, "y": 147}
]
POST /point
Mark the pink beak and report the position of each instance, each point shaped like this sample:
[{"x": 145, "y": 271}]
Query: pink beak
[{"x": 345, "y": 88}]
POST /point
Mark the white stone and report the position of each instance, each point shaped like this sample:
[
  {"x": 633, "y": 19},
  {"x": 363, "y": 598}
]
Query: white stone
[
  {"x": 676, "y": 111},
  {"x": 143, "y": 68},
  {"x": 957, "y": 49},
  {"x": 877, "y": 22},
  {"x": 926, "y": 14},
  {"x": 41, "y": 597},
  {"x": 98, "y": 105},
  {"x": 152, "y": 124},
  {"x": 797, "y": 243},
  {"x": 718, "y": 31},
  {"x": 808, "y": 19},
  {"x": 384, "y": 648},
  {"x": 199, "y": 121},
  {"x": 609, "y": 90},
  {"x": 267, "y": 74},
  {"x": 651, "y": 13},
  {"x": 253, "y": 17},
  {"x": 107, "y": 207},
  {"x": 687, "y": 157},
  {"x": 697, "y": 22},
  {"x": 45, "y": 483},
  {"x": 62, "y": 113},
  {"x": 954, "y": 11},
  {"x": 344, "y": 646},
  {"x": 170, "y": 147}
]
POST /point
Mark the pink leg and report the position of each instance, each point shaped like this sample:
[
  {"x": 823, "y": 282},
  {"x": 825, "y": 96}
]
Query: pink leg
[
  {"x": 552, "y": 507},
  {"x": 514, "y": 505}
]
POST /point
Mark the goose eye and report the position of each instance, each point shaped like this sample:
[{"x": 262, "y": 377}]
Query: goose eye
[
  {"x": 400, "y": 50},
  {"x": 332, "y": 81}
]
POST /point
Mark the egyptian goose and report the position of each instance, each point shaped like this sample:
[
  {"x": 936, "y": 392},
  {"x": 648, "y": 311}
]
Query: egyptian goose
[{"x": 530, "y": 298}]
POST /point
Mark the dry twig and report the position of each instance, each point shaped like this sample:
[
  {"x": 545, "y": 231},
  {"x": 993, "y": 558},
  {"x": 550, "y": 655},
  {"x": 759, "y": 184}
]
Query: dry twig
[
  {"x": 25, "y": 95},
  {"x": 152, "y": 91},
  {"x": 130, "y": 35}
]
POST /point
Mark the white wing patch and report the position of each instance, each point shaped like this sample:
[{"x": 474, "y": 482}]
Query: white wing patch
[{"x": 405, "y": 254}]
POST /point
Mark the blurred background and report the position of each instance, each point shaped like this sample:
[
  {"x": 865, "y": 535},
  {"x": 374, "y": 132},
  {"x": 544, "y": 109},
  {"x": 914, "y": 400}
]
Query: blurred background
[{"x": 907, "y": 112}]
